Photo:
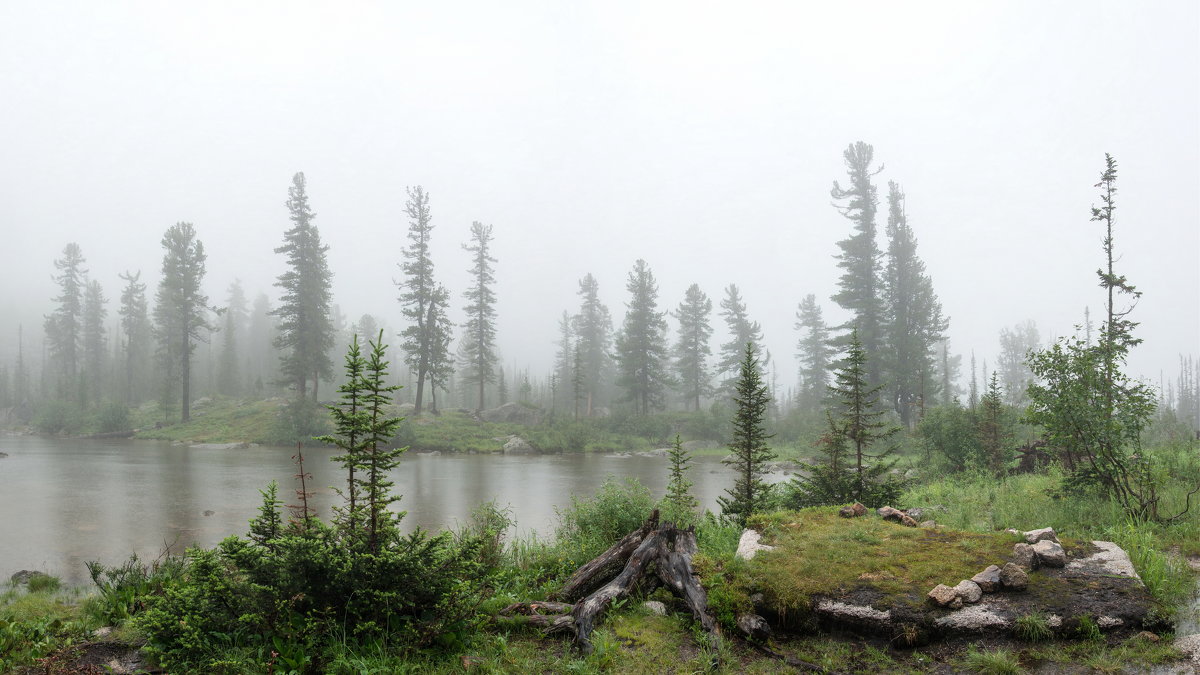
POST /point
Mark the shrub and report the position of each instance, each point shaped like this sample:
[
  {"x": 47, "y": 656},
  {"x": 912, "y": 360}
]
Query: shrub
[
  {"x": 588, "y": 526},
  {"x": 113, "y": 416},
  {"x": 43, "y": 582},
  {"x": 58, "y": 417},
  {"x": 1032, "y": 628}
]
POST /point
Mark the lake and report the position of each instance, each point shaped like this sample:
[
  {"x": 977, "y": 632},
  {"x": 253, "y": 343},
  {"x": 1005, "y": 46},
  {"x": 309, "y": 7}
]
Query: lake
[{"x": 66, "y": 501}]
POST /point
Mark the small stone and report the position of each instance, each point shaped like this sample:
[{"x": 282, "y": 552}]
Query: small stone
[
  {"x": 1012, "y": 530},
  {"x": 1109, "y": 622},
  {"x": 655, "y": 607},
  {"x": 907, "y": 521},
  {"x": 1013, "y": 578},
  {"x": 1147, "y": 636},
  {"x": 1023, "y": 555},
  {"x": 755, "y": 627},
  {"x": 1050, "y": 553},
  {"x": 1034, "y": 536},
  {"x": 929, "y": 524},
  {"x": 853, "y": 511},
  {"x": 942, "y": 595},
  {"x": 969, "y": 591},
  {"x": 989, "y": 579}
]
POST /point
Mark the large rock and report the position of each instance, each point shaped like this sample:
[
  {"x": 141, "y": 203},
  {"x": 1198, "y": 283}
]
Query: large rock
[
  {"x": 853, "y": 511},
  {"x": 749, "y": 545},
  {"x": 1050, "y": 553},
  {"x": 969, "y": 591},
  {"x": 1046, "y": 533},
  {"x": 1110, "y": 560},
  {"x": 519, "y": 446},
  {"x": 25, "y": 576},
  {"x": 1024, "y": 556},
  {"x": 515, "y": 413},
  {"x": 1013, "y": 578},
  {"x": 888, "y": 513},
  {"x": 989, "y": 579},
  {"x": 754, "y": 627}
]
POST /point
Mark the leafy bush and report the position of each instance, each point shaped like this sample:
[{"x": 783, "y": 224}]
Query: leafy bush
[
  {"x": 948, "y": 434},
  {"x": 43, "y": 582},
  {"x": 113, "y": 416},
  {"x": 123, "y": 588},
  {"x": 588, "y": 526},
  {"x": 58, "y": 417}
]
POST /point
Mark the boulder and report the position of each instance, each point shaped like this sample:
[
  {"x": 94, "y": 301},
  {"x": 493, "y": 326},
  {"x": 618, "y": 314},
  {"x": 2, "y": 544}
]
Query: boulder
[
  {"x": 915, "y": 513},
  {"x": 24, "y": 576},
  {"x": 943, "y": 595},
  {"x": 1034, "y": 536},
  {"x": 1050, "y": 553},
  {"x": 519, "y": 446},
  {"x": 907, "y": 521},
  {"x": 853, "y": 511},
  {"x": 888, "y": 513},
  {"x": 655, "y": 607},
  {"x": 754, "y": 627},
  {"x": 514, "y": 413},
  {"x": 969, "y": 591},
  {"x": 1013, "y": 578},
  {"x": 989, "y": 579},
  {"x": 1024, "y": 556},
  {"x": 749, "y": 545}
]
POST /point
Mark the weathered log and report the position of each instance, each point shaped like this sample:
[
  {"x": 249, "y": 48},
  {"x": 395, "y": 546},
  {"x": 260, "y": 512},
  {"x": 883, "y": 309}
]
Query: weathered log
[
  {"x": 549, "y": 623},
  {"x": 530, "y": 608},
  {"x": 674, "y": 567},
  {"x": 590, "y": 608},
  {"x": 603, "y": 567}
]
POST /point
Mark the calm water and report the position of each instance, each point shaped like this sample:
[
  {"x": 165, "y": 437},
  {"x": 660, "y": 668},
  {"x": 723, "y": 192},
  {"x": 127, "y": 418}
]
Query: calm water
[{"x": 63, "y": 502}]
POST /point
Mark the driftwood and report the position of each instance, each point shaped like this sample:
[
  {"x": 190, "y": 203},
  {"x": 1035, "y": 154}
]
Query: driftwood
[{"x": 602, "y": 568}]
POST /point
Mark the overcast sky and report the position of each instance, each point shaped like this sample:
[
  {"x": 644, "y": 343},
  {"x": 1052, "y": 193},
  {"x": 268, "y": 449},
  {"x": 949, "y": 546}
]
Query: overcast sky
[{"x": 703, "y": 137}]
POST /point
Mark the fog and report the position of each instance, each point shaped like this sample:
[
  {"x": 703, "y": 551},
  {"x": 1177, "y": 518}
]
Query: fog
[{"x": 702, "y": 137}]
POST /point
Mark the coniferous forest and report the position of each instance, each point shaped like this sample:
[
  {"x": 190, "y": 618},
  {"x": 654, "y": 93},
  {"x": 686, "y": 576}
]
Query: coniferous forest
[{"x": 793, "y": 371}]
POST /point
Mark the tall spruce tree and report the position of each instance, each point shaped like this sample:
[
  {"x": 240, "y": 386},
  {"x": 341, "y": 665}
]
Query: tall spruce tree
[
  {"x": 748, "y": 451},
  {"x": 417, "y": 290},
  {"x": 64, "y": 327},
  {"x": 593, "y": 335},
  {"x": 692, "y": 349},
  {"x": 479, "y": 335},
  {"x": 913, "y": 321},
  {"x": 181, "y": 309},
  {"x": 641, "y": 346},
  {"x": 742, "y": 331},
  {"x": 815, "y": 353},
  {"x": 859, "y": 285},
  {"x": 95, "y": 342},
  {"x": 565, "y": 365},
  {"x": 305, "y": 330},
  {"x": 1015, "y": 344},
  {"x": 441, "y": 333},
  {"x": 135, "y": 325},
  {"x": 229, "y": 368}
]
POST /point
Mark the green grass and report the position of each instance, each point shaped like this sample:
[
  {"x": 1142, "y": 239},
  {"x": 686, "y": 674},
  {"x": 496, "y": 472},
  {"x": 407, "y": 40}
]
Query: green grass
[
  {"x": 992, "y": 662},
  {"x": 1032, "y": 628}
]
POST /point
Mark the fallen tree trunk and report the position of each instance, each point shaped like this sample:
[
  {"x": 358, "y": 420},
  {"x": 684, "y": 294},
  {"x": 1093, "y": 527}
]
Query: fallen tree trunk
[{"x": 600, "y": 569}]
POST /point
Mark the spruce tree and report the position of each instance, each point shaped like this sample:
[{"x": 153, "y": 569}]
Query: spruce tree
[
  {"x": 749, "y": 452},
  {"x": 417, "y": 291},
  {"x": 692, "y": 348},
  {"x": 305, "y": 330},
  {"x": 992, "y": 427},
  {"x": 1015, "y": 345},
  {"x": 565, "y": 364},
  {"x": 181, "y": 310},
  {"x": 350, "y": 423},
  {"x": 815, "y": 354},
  {"x": 229, "y": 366},
  {"x": 135, "y": 324},
  {"x": 913, "y": 322},
  {"x": 859, "y": 285},
  {"x": 95, "y": 342},
  {"x": 742, "y": 331},
  {"x": 679, "y": 506},
  {"x": 479, "y": 334},
  {"x": 441, "y": 333},
  {"x": 593, "y": 334},
  {"x": 641, "y": 347},
  {"x": 376, "y": 459},
  {"x": 64, "y": 330},
  {"x": 857, "y": 415}
]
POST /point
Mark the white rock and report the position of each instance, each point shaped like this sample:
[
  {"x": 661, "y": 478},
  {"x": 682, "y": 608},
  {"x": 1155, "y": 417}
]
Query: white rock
[
  {"x": 655, "y": 607},
  {"x": 1034, "y": 536},
  {"x": 861, "y": 613},
  {"x": 1110, "y": 559},
  {"x": 974, "y": 617},
  {"x": 943, "y": 595},
  {"x": 969, "y": 591},
  {"x": 1190, "y": 645},
  {"x": 749, "y": 545},
  {"x": 1109, "y": 622},
  {"x": 1050, "y": 553}
]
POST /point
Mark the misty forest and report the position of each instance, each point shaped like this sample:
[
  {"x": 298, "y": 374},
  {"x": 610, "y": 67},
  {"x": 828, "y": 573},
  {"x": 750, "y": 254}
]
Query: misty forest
[{"x": 445, "y": 444}]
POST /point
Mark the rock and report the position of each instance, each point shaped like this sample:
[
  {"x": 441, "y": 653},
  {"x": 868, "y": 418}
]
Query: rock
[
  {"x": 853, "y": 511},
  {"x": 974, "y": 618},
  {"x": 3, "y": 455},
  {"x": 915, "y": 513},
  {"x": 859, "y": 615},
  {"x": 1190, "y": 645},
  {"x": 657, "y": 452},
  {"x": 219, "y": 446},
  {"x": 1034, "y": 536},
  {"x": 1147, "y": 636},
  {"x": 512, "y": 412},
  {"x": 1024, "y": 556},
  {"x": 1013, "y": 578},
  {"x": 519, "y": 446},
  {"x": 1109, "y": 622},
  {"x": 24, "y": 576},
  {"x": 1013, "y": 530},
  {"x": 907, "y": 521},
  {"x": 1050, "y": 553},
  {"x": 749, "y": 545},
  {"x": 943, "y": 596},
  {"x": 988, "y": 580},
  {"x": 929, "y": 524},
  {"x": 888, "y": 513},
  {"x": 1110, "y": 560},
  {"x": 102, "y": 632},
  {"x": 754, "y": 627},
  {"x": 655, "y": 607},
  {"x": 969, "y": 591}
]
